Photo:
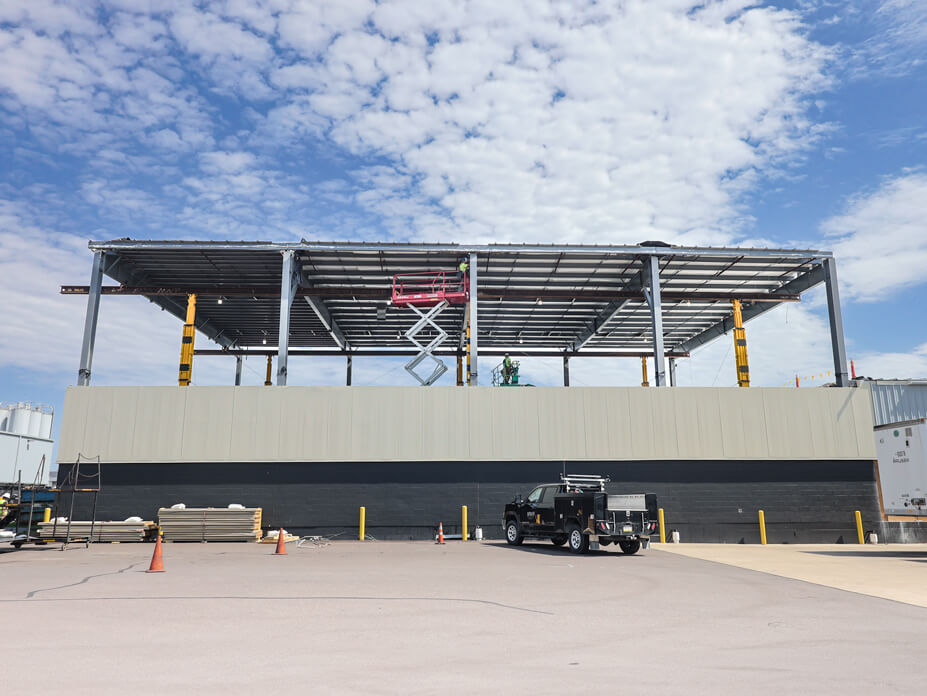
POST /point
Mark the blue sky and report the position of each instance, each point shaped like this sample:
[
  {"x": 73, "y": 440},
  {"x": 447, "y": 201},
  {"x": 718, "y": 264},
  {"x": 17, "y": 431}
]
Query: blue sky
[{"x": 716, "y": 123}]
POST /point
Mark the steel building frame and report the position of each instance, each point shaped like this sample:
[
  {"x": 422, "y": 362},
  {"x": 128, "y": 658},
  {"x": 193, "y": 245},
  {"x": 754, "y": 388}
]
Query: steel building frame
[{"x": 529, "y": 300}]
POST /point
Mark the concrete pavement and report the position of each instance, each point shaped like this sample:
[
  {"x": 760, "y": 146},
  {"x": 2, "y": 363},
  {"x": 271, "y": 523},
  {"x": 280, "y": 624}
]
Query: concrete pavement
[{"x": 413, "y": 617}]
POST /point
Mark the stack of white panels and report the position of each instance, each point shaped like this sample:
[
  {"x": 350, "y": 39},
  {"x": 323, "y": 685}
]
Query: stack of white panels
[
  {"x": 210, "y": 524},
  {"x": 102, "y": 531}
]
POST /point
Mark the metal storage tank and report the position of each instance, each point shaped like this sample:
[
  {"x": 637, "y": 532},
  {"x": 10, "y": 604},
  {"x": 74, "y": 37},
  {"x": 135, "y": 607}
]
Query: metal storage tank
[
  {"x": 46, "y": 427},
  {"x": 35, "y": 421},
  {"x": 20, "y": 414},
  {"x": 897, "y": 400}
]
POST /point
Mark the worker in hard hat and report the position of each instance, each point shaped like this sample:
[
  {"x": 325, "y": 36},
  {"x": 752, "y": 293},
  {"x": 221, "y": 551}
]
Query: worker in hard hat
[
  {"x": 507, "y": 369},
  {"x": 462, "y": 268}
]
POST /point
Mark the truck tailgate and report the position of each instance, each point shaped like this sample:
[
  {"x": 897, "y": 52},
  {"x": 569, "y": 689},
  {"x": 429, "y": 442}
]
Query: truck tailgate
[{"x": 626, "y": 502}]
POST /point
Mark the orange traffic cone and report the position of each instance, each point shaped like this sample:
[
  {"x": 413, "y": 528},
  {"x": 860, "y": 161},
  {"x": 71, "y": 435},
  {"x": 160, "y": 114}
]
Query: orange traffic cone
[
  {"x": 281, "y": 544},
  {"x": 440, "y": 533},
  {"x": 156, "y": 565}
]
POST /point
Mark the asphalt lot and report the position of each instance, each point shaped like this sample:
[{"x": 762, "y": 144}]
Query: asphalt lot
[{"x": 413, "y": 617}]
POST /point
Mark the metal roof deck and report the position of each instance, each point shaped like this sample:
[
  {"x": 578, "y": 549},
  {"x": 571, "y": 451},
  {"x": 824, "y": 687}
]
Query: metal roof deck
[{"x": 561, "y": 299}]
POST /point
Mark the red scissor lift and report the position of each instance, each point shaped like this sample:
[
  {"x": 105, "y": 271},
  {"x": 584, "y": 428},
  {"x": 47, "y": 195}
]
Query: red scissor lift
[{"x": 434, "y": 290}]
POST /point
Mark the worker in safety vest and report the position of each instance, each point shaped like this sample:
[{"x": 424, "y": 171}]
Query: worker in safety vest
[
  {"x": 507, "y": 369},
  {"x": 462, "y": 269}
]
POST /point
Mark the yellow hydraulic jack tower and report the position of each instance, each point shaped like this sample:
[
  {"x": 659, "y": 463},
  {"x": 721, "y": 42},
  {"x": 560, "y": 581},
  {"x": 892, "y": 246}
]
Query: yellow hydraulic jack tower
[
  {"x": 644, "y": 382},
  {"x": 468, "y": 344},
  {"x": 270, "y": 366},
  {"x": 186, "y": 345},
  {"x": 740, "y": 347}
]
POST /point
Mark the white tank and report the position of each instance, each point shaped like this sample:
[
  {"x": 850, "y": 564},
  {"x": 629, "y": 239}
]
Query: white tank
[
  {"x": 4, "y": 419},
  {"x": 35, "y": 422},
  {"x": 46, "y": 429},
  {"x": 20, "y": 415}
]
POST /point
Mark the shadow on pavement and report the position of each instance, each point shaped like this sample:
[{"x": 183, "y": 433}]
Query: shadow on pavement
[
  {"x": 548, "y": 549},
  {"x": 878, "y": 554}
]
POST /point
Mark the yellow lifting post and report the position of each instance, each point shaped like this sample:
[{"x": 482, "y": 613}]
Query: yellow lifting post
[
  {"x": 762, "y": 516},
  {"x": 270, "y": 366},
  {"x": 644, "y": 382},
  {"x": 463, "y": 523},
  {"x": 859, "y": 527},
  {"x": 740, "y": 347},
  {"x": 662, "y": 526},
  {"x": 186, "y": 345},
  {"x": 363, "y": 523}
]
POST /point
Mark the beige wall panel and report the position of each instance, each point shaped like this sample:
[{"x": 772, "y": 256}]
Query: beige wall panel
[
  {"x": 665, "y": 438},
  {"x": 686, "y": 406},
  {"x": 159, "y": 424},
  {"x": 709, "y": 423},
  {"x": 753, "y": 414},
  {"x": 516, "y": 430},
  {"x": 339, "y": 405},
  {"x": 207, "y": 430},
  {"x": 822, "y": 408},
  {"x": 561, "y": 426},
  {"x": 619, "y": 423},
  {"x": 595, "y": 406},
  {"x": 776, "y": 404},
  {"x": 445, "y": 424},
  {"x": 480, "y": 413},
  {"x": 862, "y": 410},
  {"x": 99, "y": 421},
  {"x": 73, "y": 422},
  {"x": 118, "y": 446},
  {"x": 164, "y": 424},
  {"x": 640, "y": 416},
  {"x": 256, "y": 423},
  {"x": 402, "y": 425}
]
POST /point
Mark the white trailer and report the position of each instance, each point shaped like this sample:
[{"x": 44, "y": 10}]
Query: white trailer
[{"x": 902, "y": 452}]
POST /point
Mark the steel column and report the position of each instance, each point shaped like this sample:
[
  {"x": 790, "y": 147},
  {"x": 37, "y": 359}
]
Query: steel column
[
  {"x": 566, "y": 370},
  {"x": 656, "y": 317},
  {"x": 90, "y": 321},
  {"x": 836, "y": 322},
  {"x": 474, "y": 323},
  {"x": 672, "y": 372},
  {"x": 288, "y": 284},
  {"x": 238, "y": 361},
  {"x": 348, "y": 372}
]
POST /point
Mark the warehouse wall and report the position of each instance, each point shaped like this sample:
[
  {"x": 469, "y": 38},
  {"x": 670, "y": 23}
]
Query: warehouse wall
[{"x": 369, "y": 424}]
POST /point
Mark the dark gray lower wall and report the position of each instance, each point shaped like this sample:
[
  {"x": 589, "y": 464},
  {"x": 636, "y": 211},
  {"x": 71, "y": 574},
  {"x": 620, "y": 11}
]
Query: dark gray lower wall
[{"x": 804, "y": 502}]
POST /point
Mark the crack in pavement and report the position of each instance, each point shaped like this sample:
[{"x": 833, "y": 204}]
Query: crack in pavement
[
  {"x": 33, "y": 593},
  {"x": 287, "y": 599}
]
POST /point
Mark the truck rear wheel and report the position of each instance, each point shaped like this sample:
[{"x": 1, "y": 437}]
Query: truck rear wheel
[
  {"x": 630, "y": 546},
  {"x": 559, "y": 540},
  {"x": 513, "y": 534},
  {"x": 579, "y": 542}
]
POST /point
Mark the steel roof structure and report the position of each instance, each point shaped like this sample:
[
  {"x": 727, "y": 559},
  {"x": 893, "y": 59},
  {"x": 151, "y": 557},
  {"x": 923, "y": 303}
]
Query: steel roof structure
[{"x": 573, "y": 300}]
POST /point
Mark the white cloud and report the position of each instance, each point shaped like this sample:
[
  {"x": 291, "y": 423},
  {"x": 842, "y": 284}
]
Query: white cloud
[{"x": 881, "y": 240}]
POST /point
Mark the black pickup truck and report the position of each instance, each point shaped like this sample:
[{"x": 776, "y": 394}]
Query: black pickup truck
[{"x": 579, "y": 511}]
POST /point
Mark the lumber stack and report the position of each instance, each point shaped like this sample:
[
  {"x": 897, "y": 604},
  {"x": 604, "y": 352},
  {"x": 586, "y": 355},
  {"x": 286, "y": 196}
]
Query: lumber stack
[
  {"x": 210, "y": 524},
  {"x": 102, "y": 531}
]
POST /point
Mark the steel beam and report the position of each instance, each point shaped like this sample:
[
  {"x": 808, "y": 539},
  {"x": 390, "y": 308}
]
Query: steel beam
[
  {"x": 656, "y": 318},
  {"x": 515, "y": 352},
  {"x": 377, "y": 294},
  {"x": 289, "y": 281},
  {"x": 799, "y": 285},
  {"x": 835, "y": 316},
  {"x": 238, "y": 361},
  {"x": 607, "y": 314},
  {"x": 90, "y": 320},
  {"x": 672, "y": 372},
  {"x": 566, "y": 370},
  {"x": 458, "y": 249},
  {"x": 474, "y": 322},
  {"x": 348, "y": 370}
]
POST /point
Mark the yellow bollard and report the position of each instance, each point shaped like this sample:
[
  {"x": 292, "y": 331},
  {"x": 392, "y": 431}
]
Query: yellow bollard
[
  {"x": 662, "y": 526},
  {"x": 463, "y": 522},
  {"x": 46, "y": 515},
  {"x": 859, "y": 527},
  {"x": 762, "y": 528},
  {"x": 363, "y": 522}
]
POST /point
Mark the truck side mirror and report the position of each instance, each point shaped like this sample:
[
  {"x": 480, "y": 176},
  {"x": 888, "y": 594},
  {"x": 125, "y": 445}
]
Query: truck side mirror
[{"x": 518, "y": 500}]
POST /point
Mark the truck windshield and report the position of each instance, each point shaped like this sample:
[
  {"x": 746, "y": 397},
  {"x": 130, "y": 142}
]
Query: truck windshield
[{"x": 535, "y": 495}]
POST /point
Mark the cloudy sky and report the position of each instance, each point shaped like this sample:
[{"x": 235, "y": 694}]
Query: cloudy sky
[{"x": 718, "y": 122}]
